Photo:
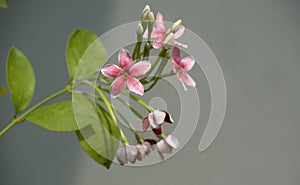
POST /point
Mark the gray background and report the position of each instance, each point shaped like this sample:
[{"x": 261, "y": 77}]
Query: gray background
[{"x": 257, "y": 45}]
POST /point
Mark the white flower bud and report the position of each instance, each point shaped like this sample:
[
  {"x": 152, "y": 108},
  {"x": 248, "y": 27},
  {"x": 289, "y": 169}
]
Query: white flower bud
[
  {"x": 151, "y": 18},
  {"x": 139, "y": 29},
  {"x": 176, "y": 26},
  {"x": 145, "y": 13},
  {"x": 169, "y": 38}
]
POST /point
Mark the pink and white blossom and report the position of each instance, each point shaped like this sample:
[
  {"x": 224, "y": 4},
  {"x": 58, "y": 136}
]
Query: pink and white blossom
[
  {"x": 160, "y": 33},
  {"x": 144, "y": 149},
  {"x": 127, "y": 153},
  {"x": 166, "y": 145},
  {"x": 155, "y": 119},
  {"x": 180, "y": 66},
  {"x": 126, "y": 74}
]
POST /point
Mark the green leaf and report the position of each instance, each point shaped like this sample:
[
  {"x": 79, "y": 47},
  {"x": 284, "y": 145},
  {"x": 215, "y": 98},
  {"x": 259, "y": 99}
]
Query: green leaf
[
  {"x": 3, "y": 4},
  {"x": 99, "y": 139},
  {"x": 20, "y": 79},
  {"x": 85, "y": 47},
  {"x": 2, "y": 91},
  {"x": 58, "y": 117}
]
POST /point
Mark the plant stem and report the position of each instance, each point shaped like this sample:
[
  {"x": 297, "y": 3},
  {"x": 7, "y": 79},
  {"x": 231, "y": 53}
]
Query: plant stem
[{"x": 21, "y": 118}]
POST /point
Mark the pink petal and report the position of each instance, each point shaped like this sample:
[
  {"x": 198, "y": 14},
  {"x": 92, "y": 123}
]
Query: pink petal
[
  {"x": 157, "y": 31},
  {"x": 132, "y": 153},
  {"x": 139, "y": 68},
  {"x": 145, "y": 124},
  {"x": 159, "y": 116},
  {"x": 187, "y": 63},
  {"x": 124, "y": 59},
  {"x": 122, "y": 156},
  {"x": 175, "y": 66},
  {"x": 186, "y": 80},
  {"x": 134, "y": 85},
  {"x": 159, "y": 41},
  {"x": 176, "y": 43},
  {"x": 160, "y": 21},
  {"x": 172, "y": 141},
  {"x": 112, "y": 71},
  {"x": 176, "y": 55},
  {"x": 118, "y": 86},
  {"x": 179, "y": 32}
]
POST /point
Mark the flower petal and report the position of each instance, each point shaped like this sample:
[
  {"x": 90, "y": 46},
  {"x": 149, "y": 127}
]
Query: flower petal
[
  {"x": 186, "y": 79},
  {"x": 159, "y": 116},
  {"x": 160, "y": 21},
  {"x": 172, "y": 141},
  {"x": 157, "y": 131},
  {"x": 140, "y": 68},
  {"x": 145, "y": 124},
  {"x": 159, "y": 41},
  {"x": 168, "y": 118},
  {"x": 176, "y": 43},
  {"x": 151, "y": 120},
  {"x": 124, "y": 59},
  {"x": 117, "y": 86},
  {"x": 176, "y": 55},
  {"x": 187, "y": 63},
  {"x": 134, "y": 85},
  {"x": 164, "y": 147},
  {"x": 122, "y": 156},
  {"x": 179, "y": 32},
  {"x": 132, "y": 153},
  {"x": 111, "y": 71}
]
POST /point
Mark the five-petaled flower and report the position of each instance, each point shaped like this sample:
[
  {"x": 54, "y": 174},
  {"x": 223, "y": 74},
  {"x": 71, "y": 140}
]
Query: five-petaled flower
[
  {"x": 125, "y": 74},
  {"x": 160, "y": 33},
  {"x": 166, "y": 145},
  {"x": 155, "y": 119},
  {"x": 180, "y": 66}
]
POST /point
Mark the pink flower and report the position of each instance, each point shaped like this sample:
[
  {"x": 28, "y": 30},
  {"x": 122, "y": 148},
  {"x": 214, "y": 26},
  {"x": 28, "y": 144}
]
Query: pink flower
[
  {"x": 127, "y": 153},
  {"x": 155, "y": 119},
  {"x": 180, "y": 66},
  {"x": 166, "y": 145},
  {"x": 160, "y": 33},
  {"x": 125, "y": 74}
]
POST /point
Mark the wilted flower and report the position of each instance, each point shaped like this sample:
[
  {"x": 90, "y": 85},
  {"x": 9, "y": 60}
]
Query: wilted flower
[
  {"x": 160, "y": 33},
  {"x": 166, "y": 145},
  {"x": 127, "y": 153},
  {"x": 144, "y": 149},
  {"x": 180, "y": 66},
  {"x": 155, "y": 119},
  {"x": 125, "y": 74}
]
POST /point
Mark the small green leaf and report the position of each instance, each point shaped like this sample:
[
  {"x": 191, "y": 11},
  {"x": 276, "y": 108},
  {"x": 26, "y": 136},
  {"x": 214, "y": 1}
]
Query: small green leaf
[
  {"x": 85, "y": 47},
  {"x": 99, "y": 139},
  {"x": 3, "y": 4},
  {"x": 2, "y": 91},
  {"x": 20, "y": 79},
  {"x": 58, "y": 117}
]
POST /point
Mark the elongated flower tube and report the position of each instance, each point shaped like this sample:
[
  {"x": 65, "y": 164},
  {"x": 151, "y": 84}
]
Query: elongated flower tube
[{"x": 126, "y": 74}]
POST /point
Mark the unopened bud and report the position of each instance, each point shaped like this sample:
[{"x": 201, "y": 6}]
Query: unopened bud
[
  {"x": 145, "y": 13},
  {"x": 169, "y": 38},
  {"x": 176, "y": 26},
  {"x": 139, "y": 29},
  {"x": 151, "y": 18}
]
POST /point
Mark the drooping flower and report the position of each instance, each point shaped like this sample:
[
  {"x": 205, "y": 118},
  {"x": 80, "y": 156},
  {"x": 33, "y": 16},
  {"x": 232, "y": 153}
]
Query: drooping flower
[
  {"x": 155, "y": 119},
  {"x": 127, "y": 153},
  {"x": 166, "y": 145},
  {"x": 144, "y": 149},
  {"x": 125, "y": 74},
  {"x": 180, "y": 66},
  {"x": 160, "y": 33}
]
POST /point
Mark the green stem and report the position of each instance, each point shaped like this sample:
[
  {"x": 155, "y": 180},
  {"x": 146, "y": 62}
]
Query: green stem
[
  {"x": 131, "y": 108},
  {"x": 171, "y": 73},
  {"x": 136, "y": 99},
  {"x": 23, "y": 116}
]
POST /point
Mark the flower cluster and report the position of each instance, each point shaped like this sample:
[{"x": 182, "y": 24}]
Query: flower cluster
[{"x": 134, "y": 72}]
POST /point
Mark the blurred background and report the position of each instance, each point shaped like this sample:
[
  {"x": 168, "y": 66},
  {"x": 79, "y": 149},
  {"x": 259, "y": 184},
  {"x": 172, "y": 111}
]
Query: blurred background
[{"x": 257, "y": 45}]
